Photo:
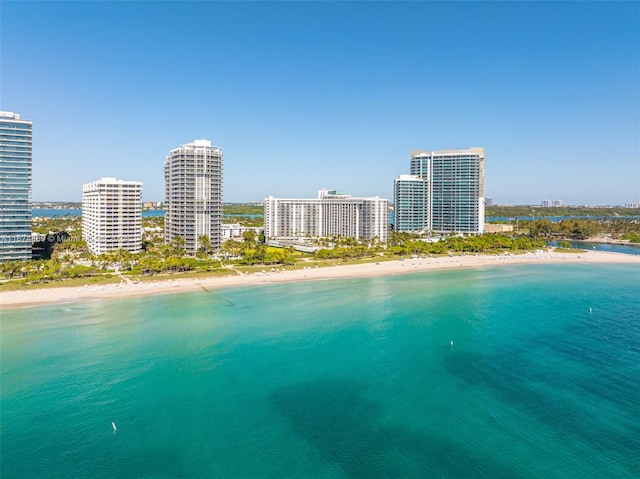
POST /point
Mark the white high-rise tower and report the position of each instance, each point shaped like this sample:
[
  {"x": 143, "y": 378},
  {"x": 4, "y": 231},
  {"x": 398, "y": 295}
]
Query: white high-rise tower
[
  {"x": 193, "y": 194},
  {"x": 112, "y": 215}
]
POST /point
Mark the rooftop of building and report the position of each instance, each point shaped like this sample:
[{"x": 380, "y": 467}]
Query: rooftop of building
[
  {"x": 473, "y": 150},
  {"x": 191, "y": 147},
  {"x": 9, "y": 115},
  {"x": 108, "y": 180}
]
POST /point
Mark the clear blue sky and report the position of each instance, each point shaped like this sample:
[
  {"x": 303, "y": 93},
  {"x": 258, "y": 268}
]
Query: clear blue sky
[{"x": 305, "y": 95}]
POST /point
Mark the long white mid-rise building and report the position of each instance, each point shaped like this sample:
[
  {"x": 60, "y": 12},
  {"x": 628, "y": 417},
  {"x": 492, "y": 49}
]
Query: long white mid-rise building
[
  {"x": 331, "y": 214},
  {"x": 193, "y": 194},
  {"x": 454, "y": 192},
  {"x": 112, "y": 215}
]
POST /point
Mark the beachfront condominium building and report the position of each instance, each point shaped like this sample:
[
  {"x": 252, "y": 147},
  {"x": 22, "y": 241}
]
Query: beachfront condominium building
[
  {"x": 112, "y": 215},
  {"x": 411, "y": 204},
  {"x": 193, "y": 194},
  {"x": 454, "y": 191},
  {"x": 15, "y": 187},
  {"x": 331, "y": 214}
]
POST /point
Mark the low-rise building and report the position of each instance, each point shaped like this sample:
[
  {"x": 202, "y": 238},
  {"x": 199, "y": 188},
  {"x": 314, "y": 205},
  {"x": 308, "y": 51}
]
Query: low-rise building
[
  {"x": 236, "y": 230},
  {"x": 497, "y": 228}
]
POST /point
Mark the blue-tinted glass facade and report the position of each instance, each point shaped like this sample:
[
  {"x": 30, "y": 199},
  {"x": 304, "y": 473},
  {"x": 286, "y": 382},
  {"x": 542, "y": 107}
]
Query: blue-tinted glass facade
[
  {"x": 457, "y": 181},
  {"x": 411, "y": 204},
  {"x": 15, "y": 187},
  {"x": 452, "y": 197}
]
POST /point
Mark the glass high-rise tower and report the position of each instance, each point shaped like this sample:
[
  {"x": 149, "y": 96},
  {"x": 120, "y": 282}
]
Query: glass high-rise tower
[
  {"x": 15, "y": 187},
  {"x": 453, "y": 192},
  {"x": 193, "y": 194},
  {"x": 411, "y": 204}
]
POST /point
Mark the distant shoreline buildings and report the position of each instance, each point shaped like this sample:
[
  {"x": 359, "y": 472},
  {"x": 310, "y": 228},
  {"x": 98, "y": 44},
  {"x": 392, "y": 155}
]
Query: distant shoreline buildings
[
  {"x": 444, "y": 193},
  {"x": 331, "y": 214},
  {"x": 112, "y": 215},
  {"x": 193, "y": 194},
  {"x": 15, "y": 187}
]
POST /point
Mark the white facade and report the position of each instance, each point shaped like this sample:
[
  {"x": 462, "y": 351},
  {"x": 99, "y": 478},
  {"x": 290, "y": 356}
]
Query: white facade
[
  {"x": 331, "y": 214},
  {"x": 236, "y": 230},
  {"x": 193, "y": 194},
  {"x": 112, "y": 215}
]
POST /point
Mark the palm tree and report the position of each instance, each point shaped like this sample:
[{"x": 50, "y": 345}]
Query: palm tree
[
  {"x": 249, "y": 237},
  {"x": 234, "y": 247},
  {"x": 261, "y": 252},
  {"x": 177, "y": 246},
  {"x": 205, "y": 244}
]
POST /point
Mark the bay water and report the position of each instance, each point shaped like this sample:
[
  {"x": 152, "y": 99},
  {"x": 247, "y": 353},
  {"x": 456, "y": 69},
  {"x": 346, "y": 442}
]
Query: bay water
[{"x": 519, "y": 371}]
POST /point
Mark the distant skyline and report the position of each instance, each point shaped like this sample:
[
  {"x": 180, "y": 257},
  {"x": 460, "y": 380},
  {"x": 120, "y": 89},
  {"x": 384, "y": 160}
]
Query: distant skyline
[{"x": 308, "y": 95}]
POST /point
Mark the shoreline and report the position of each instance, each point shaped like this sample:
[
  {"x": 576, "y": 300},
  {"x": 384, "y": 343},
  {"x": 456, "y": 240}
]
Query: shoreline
[
  {"x": 616, "y": 242},
  {"x": 60, "y": 295}
]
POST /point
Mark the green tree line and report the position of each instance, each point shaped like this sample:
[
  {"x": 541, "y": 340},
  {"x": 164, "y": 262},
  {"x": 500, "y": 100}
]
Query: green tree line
[
  {"x": 534, "y": 210},
  {"x": 580, "y": 229},
  {"x": 65, "y": 255}
]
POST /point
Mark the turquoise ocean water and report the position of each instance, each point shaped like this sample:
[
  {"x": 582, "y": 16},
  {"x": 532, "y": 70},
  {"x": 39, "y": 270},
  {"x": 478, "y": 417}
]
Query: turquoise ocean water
[{"x": 345, "y": 378}]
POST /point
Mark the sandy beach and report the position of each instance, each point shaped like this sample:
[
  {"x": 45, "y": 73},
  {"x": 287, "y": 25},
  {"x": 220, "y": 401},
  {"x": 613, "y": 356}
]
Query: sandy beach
[{"x": 271, "y": 275}]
